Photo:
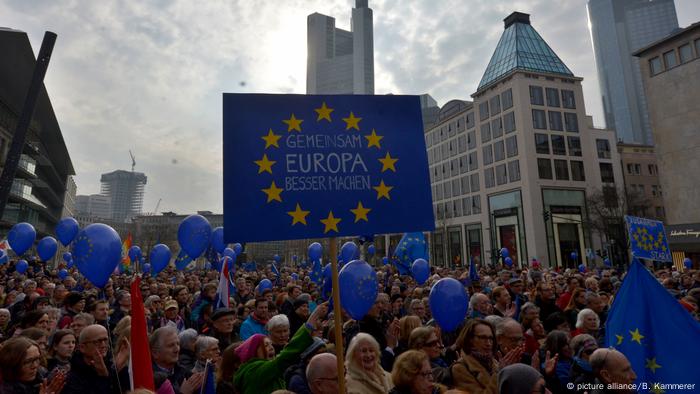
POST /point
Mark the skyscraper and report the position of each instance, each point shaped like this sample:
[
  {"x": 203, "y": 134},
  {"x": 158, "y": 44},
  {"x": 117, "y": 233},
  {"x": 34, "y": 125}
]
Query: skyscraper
[
  {"x": 618, "y": 28},
  {"x": 125, "y": 190},
  {"x": 340, "y": 61}
]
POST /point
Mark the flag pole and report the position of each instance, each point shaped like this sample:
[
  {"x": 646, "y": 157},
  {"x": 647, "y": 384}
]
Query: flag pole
[{"x": 337, "y": 315}]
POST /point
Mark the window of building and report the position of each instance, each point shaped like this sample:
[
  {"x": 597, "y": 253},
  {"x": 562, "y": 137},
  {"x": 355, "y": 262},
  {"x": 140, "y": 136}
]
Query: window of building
[
  {"x": 476, "y": 204},
  {"x": 465, "y": 184},
  {"x": 509, "y": 122},
  {"x": 443, "y": 134},
  {"x": 606, "y": 173},
  {"x": 561, "y": 170},
  {"x": 501, "y": 175},
  {"x": 555, "y": 122},
  {"x": 610, "y": 196},
  {"x": 484, "y": 111},
  {"x": 514, "y": 171},
  {"x": 603, "y": 147},
  {"x": 496, "y": 128},
  {"x": 499, "y": 152},
  {"x": 487, "y": 154},
  {"x": 447, "y": 187},
  {"x": 655, "y": 65},
  {"x": 512, "y": 146},
  {"x": 489, "y": 179},
  {"x": 544, "y": 168},
  {"x": 454, "y": 167},
  {"x": 542, "y": 143},
  {"x": 462, "y": 143},
  {"x": 470, "y": 120},
  {"x": 539, "y": 119},
  {"x": 655, "y": 190},
  {"x": 495, "y": 105},
  {"x": 485, "y": 132},
  {"x": 652, "y": 169},
  {"x": 437, "y": 174},
  {"x": 571, "y": 121},
  {"x": 452, "y": 129},
  {"x": 471, "y": 139},
  {"x": 439, "y": 192},
  {"x": 507, "y": 99},
  {"x": 474, "y": 182},
  {"x": 467, "y": 206},
  {"x": 445, "y": 151},
  {"x": 577, "y": 171},
  {"x": 567, "y": 99},
  {"x": 697, "y": 47},
  {"x": 686, "y": 53},
  {"x": 473, "y": 163},
  {"x": 457, "y": 207},
  {"x": 536, "y": 95},
  {"x": 456, "y": 188},
  {"x": 670, "y": 59},
  {"x": 659, "y": 212},
  {"x": 552, "y": 97},
  {"x": 574, "y": 146},
  {"x": 448, "y": 210},
  {"x": 558, "y": 145},
  {"x": 463, "y": 166}
]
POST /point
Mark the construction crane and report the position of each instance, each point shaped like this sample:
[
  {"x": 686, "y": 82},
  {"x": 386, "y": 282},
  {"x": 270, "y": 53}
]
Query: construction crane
[
  {"x": 133, "y": 161},
  {"x": 155, "y": 211}
]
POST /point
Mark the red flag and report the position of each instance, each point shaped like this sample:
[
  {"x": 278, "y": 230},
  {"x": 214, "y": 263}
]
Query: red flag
[{"x": 140, "y": 367}]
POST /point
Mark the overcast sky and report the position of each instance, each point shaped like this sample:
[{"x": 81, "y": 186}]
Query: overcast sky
[{"x": 148, "y": 75}]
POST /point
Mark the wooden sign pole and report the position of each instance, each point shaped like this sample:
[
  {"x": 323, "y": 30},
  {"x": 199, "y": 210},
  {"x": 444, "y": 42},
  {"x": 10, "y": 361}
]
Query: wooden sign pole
[{"x": 337, "y": 316}]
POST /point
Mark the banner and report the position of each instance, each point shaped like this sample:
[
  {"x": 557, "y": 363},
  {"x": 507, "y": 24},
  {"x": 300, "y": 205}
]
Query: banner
[
  {"x": 308, "y": 166},
  {"x": 648, "y": 239}
]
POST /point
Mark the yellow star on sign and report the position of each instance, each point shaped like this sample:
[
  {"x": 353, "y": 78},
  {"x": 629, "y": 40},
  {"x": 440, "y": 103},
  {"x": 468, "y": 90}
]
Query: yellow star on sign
[
  {"x": 271, "y": 139},
  {"x": 298, "y": 215},
  {"x": 651, "y": 364},
  {"x": 636, "y": 336},
  {"x": 373, "y": 140},
  {"x": 360, "y": 212},
  {"x": 331, "y": 223},
  {"x": 324, "y": 112},
  {"x": 619, "y": 339},
  {"x": 388, "y": 162},
  {"x": 383, "y": 190},
  {"x": 273, "y": 192},
  {"x": 265, "y": 164},
  {"x": 293, "y": 123},
  {"x": 352, "y": 122}
]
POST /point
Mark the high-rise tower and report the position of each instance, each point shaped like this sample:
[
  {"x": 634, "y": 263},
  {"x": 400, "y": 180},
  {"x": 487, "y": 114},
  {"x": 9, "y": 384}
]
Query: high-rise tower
[{"x": 125, "y": 190}]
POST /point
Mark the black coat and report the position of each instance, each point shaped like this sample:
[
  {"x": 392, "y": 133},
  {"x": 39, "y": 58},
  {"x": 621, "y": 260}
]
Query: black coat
[{"x": 83, "y": 378}]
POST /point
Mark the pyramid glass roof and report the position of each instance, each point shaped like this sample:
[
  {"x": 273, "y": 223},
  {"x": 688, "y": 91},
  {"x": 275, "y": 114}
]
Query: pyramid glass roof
[{"x": 522, "y": 48}]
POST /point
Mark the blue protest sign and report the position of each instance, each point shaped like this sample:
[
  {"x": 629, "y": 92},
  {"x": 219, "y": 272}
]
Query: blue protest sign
[
  {"x": 306, "y": 166},
  {"x": 648, "y": 239}
]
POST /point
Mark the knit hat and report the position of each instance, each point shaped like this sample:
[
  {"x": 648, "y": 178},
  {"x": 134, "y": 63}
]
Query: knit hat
[
  {"x": 73, "y": 298},
  {"x": 299, "y": 302},
  {"x": 313, "y": 348},
  {"x": 517, "y": 379},
  {"x": 248, "y": 349}
]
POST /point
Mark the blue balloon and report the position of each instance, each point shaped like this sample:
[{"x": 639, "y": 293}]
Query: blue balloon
[
  {"x": 371, "y": 250},
  {"x": 294, "y": 258},
  {"x": 420, "y": 270},
  {"x": 238, "y": 248},
  {"x": 229, "y": 252},
  {"x": 66, "y": 230},
  {"x": 217, "y": 240},
  {"x": 96, "y": 252},
  {"x": 508, "y": 261},
  {"x": 69, "y": 264},
  {"x": 348, "y": 251},
  {"x": 277, "y": 258},
  {"x": 182, "y": 260},
  {"x": 4, "y": 258},
  {"x": 448, "y": 303},
  {"x": 194, "y": 234},
  {"x": 160, "y": 257},
  {"x": 67, "y": 257},
  {"x": 295, "y": 276},
  {"x": 581, "y": 268},
  {"x": 385, "y": 260},
  {"x": 358, "y": 288},
  {"x": 21, "y": 237},
  {"x": 505, "y": 252},
  {"x": 47, "y": 248},
  {"x": 62, "y": 273},
  {"x": 315, "y": 251},
  {"x": 134, "y": 253},
  {"x": 607, "y": 262},
  {"x": 688, "y": 263},
  {"x": 146, "y": 268},
  {"x": 264, "y": 284},
  {"x": 574, "y": 256},
  {"x": 22, "y": 266}
]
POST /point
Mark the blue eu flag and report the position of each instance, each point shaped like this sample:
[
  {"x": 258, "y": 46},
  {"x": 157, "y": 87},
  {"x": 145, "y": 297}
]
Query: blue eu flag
[
  {"x": 473, "y": 273},
  {"x": 276, "y": 273},
  {"x": 658, "y": 336},
  {"x": 648, "y": 239},
  {"x": 412, "y": 246}
]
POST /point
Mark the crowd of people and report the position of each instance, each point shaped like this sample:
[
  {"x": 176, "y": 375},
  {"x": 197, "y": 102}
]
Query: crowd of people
[{"x": 527, "y": 330}]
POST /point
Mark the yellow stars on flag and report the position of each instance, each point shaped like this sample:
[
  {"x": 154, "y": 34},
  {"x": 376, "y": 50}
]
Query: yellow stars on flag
[
  {"x": 352, "y": 122},
  {"x": 636, "y": 336},
  {"x": 620, "y": 338},
  {"x": 383, "y": 190},
  {"x": 273, "y": 193},
  {"x": 265, "y": 164},
  {"x": 360, "y": 212},
  {"x": 373, "y": 139},
  {"x": 324, "y": 113},
  {"x": 330, "y": 223},
  {"x": 651, "y": 364},
  {"x": 271, "y": 139},
  {"x": 298, "y": 215},
  {"x": 293, "y": 123},
  {"x": 388, "y": 163}
]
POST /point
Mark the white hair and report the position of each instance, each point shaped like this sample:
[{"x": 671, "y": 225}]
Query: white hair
[
  {"x": 277, "y": 321},
  {"x": 187, "y": 337},
  {"x": 582, "y": 317},
  {"x": 203, "y": 343}
]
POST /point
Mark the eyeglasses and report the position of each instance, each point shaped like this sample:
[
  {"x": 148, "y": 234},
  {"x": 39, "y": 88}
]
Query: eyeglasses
[
  {"x": 484, "y": 337},
  {"x": 432, "y": 343},
  {"x": 427, "y": 375},
  {"x": 100, "y": 341},
  {"x": 31, "y": 361}
]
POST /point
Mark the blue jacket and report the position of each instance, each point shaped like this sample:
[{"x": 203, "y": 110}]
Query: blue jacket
[{"x": 251, "y": 327}]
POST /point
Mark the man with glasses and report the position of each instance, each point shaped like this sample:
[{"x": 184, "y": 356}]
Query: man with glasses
[
  {"x": 546, "y": 300},
  {"x": 90, "y": 370},
  {"x": 511, "y": 343},
  {"x": 322, "y": 374}
]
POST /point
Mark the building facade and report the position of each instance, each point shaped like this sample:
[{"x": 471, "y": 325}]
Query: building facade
[
  {"x": 514, "y": 168},
  {"x": 125, "y": 191},
  {"x": 618, "y": 28},
  {"x": 94, "y": 205},
  {"x": 69, "y": 198},
  {"x": 42, "y": 179},
  {"x": 643, "y": 191},
  {"x": 670, "y": 70},
  {"x": 340, "y": 61}
]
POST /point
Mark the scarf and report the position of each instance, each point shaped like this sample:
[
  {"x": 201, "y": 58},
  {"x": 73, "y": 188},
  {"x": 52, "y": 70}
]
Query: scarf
[
  {"x": 485, "y": 359},
  {"x": 255, "y": 318}
]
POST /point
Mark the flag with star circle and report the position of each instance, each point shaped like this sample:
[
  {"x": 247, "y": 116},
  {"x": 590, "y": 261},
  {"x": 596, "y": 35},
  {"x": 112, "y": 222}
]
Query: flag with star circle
[{"x": 313, "y": 166}]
